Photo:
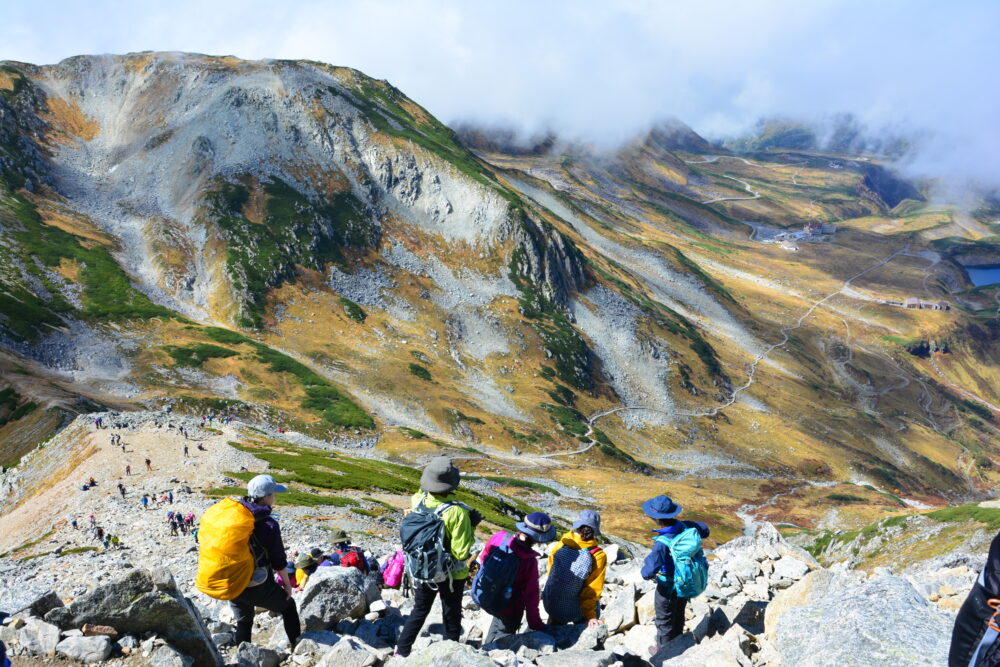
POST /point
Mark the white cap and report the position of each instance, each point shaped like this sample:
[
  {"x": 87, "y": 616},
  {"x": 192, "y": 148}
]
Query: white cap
[{"x": 264, "y": 485}]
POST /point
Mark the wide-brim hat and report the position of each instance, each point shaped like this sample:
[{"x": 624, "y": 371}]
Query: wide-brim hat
[
  {"x": 440, "y": 476},
  {"x": 538, "y": 526},
  {"x": 339, "y": 536},
  {"x": 304, "y": 561},
  {"x": 588, "y": 518},
  {"x": 661, "y": 507}
]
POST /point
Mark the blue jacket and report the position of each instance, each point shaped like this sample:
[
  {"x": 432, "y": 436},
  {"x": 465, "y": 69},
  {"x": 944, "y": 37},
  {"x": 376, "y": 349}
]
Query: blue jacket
[{"x": 659, "y": 559}]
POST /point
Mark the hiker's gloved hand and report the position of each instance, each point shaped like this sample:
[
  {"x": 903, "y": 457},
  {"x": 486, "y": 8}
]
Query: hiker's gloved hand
[{"x": 475, "y": 518}]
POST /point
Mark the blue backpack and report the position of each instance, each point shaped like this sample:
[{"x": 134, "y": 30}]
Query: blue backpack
[
  {"x": 690, "y": 564},
  {"x": 493, "y": 585}
]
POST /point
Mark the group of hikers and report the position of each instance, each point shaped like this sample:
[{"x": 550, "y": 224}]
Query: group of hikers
[
  {"x": 97, "y": 533},
  {"x": 243, "y": 559}
]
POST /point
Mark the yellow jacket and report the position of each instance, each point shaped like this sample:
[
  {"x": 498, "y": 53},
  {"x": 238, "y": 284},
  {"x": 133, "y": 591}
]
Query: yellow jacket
[
  {"x": 301, "y": 577},
  {"x": 590, "y": 594}
]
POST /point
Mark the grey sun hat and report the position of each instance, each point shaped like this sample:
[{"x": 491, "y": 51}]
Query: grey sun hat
[
  {"x": 440, "y": 476},
  {"x": 339, "y": 536},
  {"x": 264, "y": 485},
  {"x": 588, "y": 518}
]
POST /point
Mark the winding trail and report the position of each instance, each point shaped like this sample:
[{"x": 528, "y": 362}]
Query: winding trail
[
  {"x": 744, "y": 512},
  {"x": 734, "y": 396}
]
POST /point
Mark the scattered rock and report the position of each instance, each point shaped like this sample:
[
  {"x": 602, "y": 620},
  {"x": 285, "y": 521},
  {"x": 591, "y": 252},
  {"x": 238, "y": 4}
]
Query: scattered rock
[
  {"x": 146, "y": 601},
  {"x": 167, "y": 656},
  {"x": 85, "y": 649},
  {"x": 251, "y": 655},
  {"x": 89, "y": 630},
  {"x": 575, "y": 658},
  {"x": 449, "y": 654},
  {"x": 348, "y": 652},
  {"x": 39, "y": 638},
  {"x": 620, "y": 614}
]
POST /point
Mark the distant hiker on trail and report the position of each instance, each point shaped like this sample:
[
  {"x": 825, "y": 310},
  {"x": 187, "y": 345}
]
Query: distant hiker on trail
[
  {"x": 170, "y": 497},
  {"x": 437, "y": 520},
  {"x": 506, "y": 585},
  {"x": 186, "y": 452},
  {"x": 173, "y": 526},
  {"x": 93, "y": 520},
  {"x": 346, "y": 554},
  {"x": 74, "y": 524},
  {"x": 304, "y": 566},
  {"x": 240, "y": 553},
  {"x": 121, "y": 489},
  {"x": 974, "y": 637},
  {"x": 678, "y": 565},
  {"x": 92, "y": 482},
  {"x": 115, "y": 542},
  {"x": 201, "y": 447},
  {"x": 145, "y": 501},
  {"x": 128, "y": 471},
  {"x": 149, "y": 464},
  {"x": 577, "y": 567}
]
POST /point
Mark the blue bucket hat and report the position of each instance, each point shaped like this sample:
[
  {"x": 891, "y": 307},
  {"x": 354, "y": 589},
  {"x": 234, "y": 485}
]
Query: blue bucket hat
[
  {"x": 538, "y": 526},
  {"x": 588, "y": 518},
  {"x": 661, "y": 507}
]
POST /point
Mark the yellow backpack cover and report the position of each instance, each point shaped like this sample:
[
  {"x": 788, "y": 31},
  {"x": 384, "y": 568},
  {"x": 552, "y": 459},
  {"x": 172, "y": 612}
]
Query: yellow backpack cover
[{"x": 225, "y": 561}]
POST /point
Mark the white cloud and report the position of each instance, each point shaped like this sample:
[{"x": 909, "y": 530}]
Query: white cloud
[{"x": 598, "y": 70}]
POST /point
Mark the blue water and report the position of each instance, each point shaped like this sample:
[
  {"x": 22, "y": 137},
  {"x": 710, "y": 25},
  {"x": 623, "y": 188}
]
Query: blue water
[{"x": 984, "y": 275}]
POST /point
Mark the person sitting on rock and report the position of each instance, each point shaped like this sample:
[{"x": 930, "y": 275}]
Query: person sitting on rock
[
  {"x": 659, "y": 565},
  {"x": 269, "y": 554},
  {"x": 304, "y": 566},
  {"x": 577, "y": 567},
  {"x": 346, "y": 554},
  {"x": 437, "y": 484},
  {"x": 536, "y": 528}
]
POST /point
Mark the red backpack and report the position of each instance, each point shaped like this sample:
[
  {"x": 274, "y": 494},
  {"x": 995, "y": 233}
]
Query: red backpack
[{"x": 353, "y": 558}]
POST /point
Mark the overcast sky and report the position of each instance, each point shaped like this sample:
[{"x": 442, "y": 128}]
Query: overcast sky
[{"x": 601, "y": 71}]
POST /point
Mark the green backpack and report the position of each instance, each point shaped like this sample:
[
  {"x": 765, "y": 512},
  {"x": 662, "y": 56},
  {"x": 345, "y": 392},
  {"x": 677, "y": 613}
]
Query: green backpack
[{"x": 690, "y": 564}]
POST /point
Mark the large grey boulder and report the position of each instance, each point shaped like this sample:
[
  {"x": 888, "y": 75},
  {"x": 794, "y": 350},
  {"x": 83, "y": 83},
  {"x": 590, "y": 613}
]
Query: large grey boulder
[
  {"x": 620, "y": 614},
  {"x": 673, "y": 649},
  {"x": 145, "y": 601},
  {"x": 882, "y": 621},
  {"x": 542, "y": 642},
  {"x": 85, "y": 649},
  {"x": 448, "y": 654},
  {"x": 579, "y": 636},
  {"x": 39, "y": 638},
  {"x": 331, "y": 595}
]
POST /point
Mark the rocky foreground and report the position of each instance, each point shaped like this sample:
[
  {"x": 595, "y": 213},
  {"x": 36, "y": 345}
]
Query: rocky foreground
[{"x": 768, "y": 603}]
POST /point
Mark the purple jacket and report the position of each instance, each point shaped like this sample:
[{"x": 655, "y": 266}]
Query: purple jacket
[{"x": 268, "y": 534}]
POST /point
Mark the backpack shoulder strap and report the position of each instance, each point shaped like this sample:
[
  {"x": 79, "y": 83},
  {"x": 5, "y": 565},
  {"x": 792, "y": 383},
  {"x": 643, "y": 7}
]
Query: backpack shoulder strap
[{"x": 593, "y": 550}]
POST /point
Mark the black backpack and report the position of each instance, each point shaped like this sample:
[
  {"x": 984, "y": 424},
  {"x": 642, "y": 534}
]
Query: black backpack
[{"x": 422, "y": 535}]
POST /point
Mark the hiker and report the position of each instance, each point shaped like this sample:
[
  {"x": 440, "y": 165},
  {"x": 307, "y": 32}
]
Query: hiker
[
  {"x": 121, "y": 489},
  {"x": 115, "y": 542},
  {"x": 577, "y": 567},
  {"x": 186, "y": 452},
  {"x": 170, "y": 497},
  {"x": 321, "y": 558},
  {"x": 201, "y": 448},
  {"x": 93, "y": 520},
  {"x": 974, "y": 637},
  {"x": 149, "y": 464},
  {"x": 677, "y": 563},
  {"x": 436, "y": 515},
  {"x": 304, "y": 566},
  {"x": 128, "y": 471},
  {"x": 92, "y": 482},
  {"x": 244, "y": 531},
  {"x": 506, "y": 585},
  {"x": 347, "y": 555},
  {"x": 74, "y": 524},
  {"x": 145, "y": 501}
]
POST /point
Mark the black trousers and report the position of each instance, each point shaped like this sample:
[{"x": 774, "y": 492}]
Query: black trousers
[
  {"x": 503, "y": 626},
  {"x": 423, "y": 600},
  {"x": 669, "y": 620},
  {"x": 272, "y": 597}
]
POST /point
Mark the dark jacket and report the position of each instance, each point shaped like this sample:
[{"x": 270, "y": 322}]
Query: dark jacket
[
  {"x": 267, "y": 534},
  {"x": 659, "y": 559},
  {"x": 972, "y": 624}
]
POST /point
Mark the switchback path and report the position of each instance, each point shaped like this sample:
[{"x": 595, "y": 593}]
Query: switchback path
[{"x": 709, "y": 412}]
